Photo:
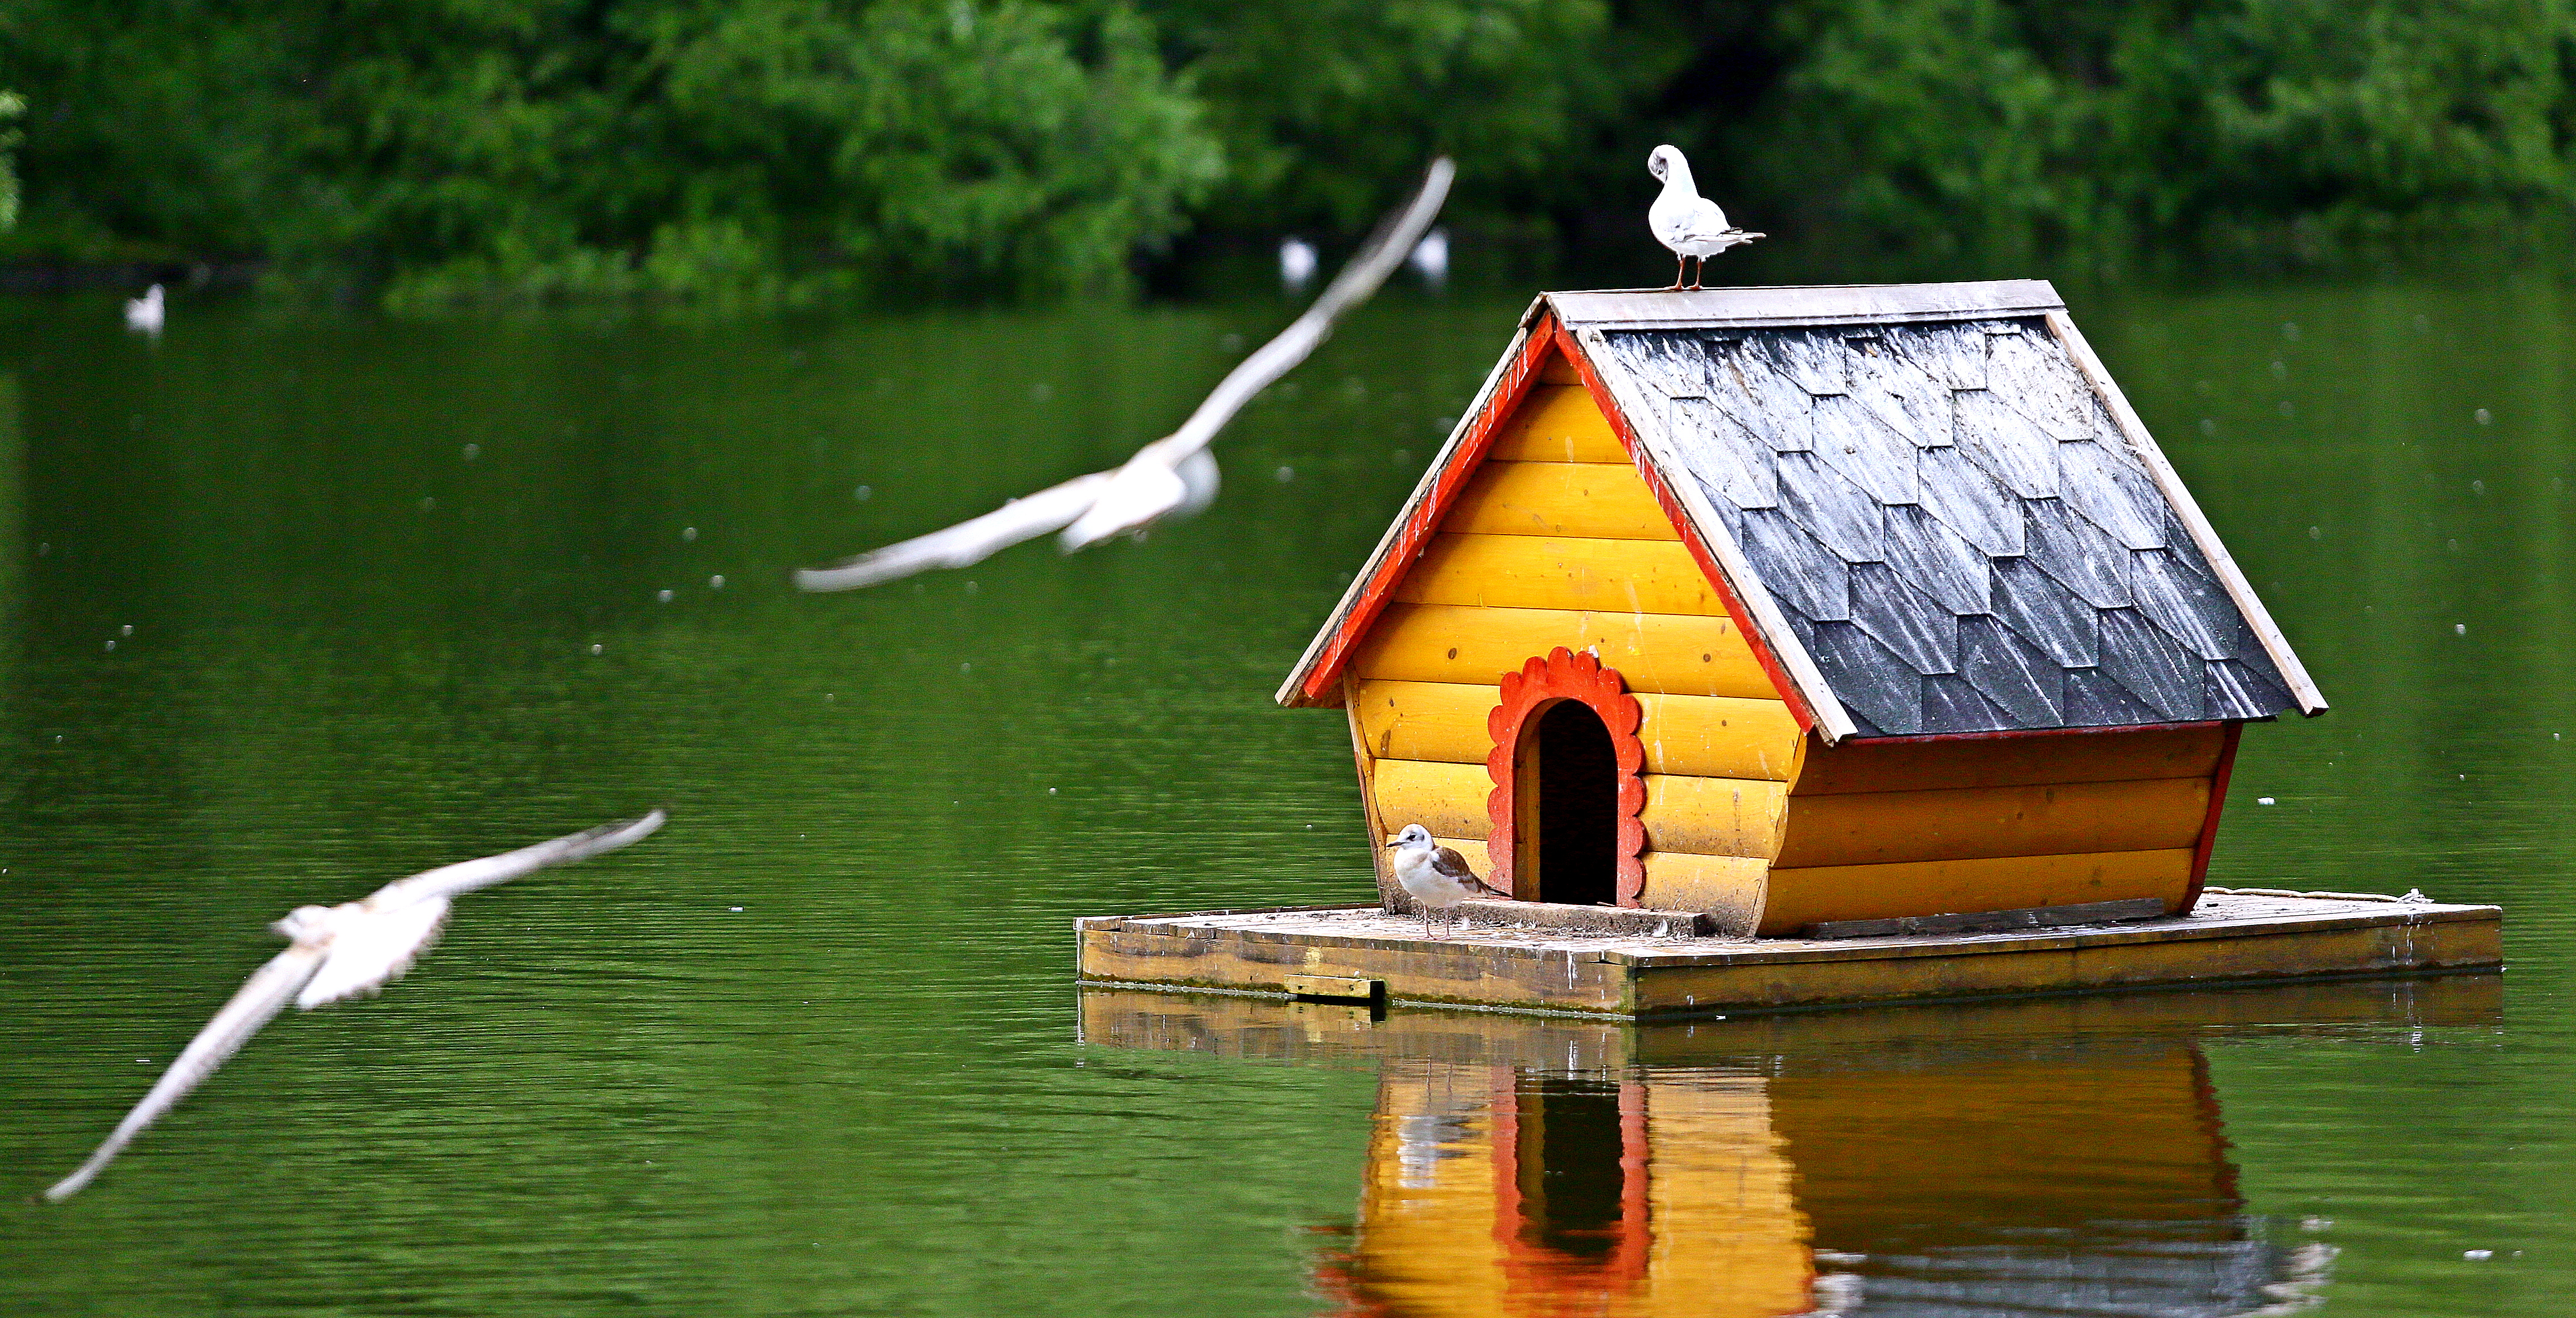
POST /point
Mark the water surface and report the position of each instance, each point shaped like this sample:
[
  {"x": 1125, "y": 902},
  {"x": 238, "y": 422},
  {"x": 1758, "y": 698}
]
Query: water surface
[{"x": 396, "y": 598}]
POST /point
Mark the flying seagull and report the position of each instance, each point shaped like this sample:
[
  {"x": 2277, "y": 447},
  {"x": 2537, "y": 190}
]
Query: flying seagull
[
  {"x": 1436, "y": 876},
  {"x": 338, "y": 952},
  {"x": 1174, "y": 474},
  {"x": 1688, "y": 223}
]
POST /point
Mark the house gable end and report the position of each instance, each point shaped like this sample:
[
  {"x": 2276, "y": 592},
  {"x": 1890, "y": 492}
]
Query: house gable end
[{"x": 1543, "y": 493}]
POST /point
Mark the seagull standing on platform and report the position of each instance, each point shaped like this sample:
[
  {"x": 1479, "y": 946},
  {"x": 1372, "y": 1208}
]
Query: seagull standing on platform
[
  {"x": 1437, "y": 877},
  {"x": 340, "y": 952},
  {"x": 1684, "y": 221}
]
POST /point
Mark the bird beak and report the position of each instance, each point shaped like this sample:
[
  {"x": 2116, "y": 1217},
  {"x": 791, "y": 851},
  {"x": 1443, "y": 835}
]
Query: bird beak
[{"x": 1393, "y": 845}]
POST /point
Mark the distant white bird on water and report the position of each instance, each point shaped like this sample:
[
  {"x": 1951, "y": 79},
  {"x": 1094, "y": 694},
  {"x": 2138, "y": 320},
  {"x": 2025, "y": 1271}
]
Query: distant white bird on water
[
  {"x": 1431, "y": 256},
  {"x": 1296, "y": 262},
  {"x": 1437, "y": 877},
  {"x": 1174, "y": 474},
  {"x": 338, "y": 952},
  {"x": 144, "y": 314},
  {"x": 1684, "y": 221}
]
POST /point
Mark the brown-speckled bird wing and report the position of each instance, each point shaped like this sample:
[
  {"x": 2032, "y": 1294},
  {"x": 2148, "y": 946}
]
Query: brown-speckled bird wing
[{"x": 1450, "y": 864}]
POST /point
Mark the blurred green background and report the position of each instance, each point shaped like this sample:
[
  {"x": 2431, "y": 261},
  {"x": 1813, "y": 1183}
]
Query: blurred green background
[{"x": 765, "y": 151}]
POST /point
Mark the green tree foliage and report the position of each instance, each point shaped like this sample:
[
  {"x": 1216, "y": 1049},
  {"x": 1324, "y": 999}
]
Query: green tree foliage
[
  {"x": 1327, "y": 107},
  {"x": 11, "y": 106},
  {"x": 786, "y": 148},
  {"x": 685, "y": 146},
  {"x": 2003, "y": 126}
]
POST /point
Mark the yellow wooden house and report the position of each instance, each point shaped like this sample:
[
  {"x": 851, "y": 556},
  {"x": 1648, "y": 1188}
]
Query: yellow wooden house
[{"x": 1804, "y": 605}]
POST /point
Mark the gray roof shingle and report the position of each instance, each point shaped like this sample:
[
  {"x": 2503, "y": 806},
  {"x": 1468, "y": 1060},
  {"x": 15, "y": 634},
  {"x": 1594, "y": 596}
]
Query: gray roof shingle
[{"x": 1952, "y": 524}]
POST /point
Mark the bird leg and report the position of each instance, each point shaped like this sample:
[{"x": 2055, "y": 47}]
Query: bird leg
[
  {"x": 1680, "y": 263},
  {"x": 1696, "y": 275}
]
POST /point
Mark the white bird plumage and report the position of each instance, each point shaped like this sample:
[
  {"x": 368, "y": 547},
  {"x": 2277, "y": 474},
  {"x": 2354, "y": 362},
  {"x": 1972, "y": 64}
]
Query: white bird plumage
[
  {"x": 1296, "y": 262},
  {"x": 1431, "y": 256},
  {"x": 1172, "y": 476},
  {"x": 1690, "y": 225},
  {"x": 1436, "y": 877},
  {"x": 144, "y": 314},
  {"x": 339, "y": 952}
]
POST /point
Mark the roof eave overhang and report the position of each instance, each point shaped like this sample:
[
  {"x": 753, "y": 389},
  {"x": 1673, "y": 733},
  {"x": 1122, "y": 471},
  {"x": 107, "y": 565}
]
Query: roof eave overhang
[
  {"x": 2231, "y": 578},
  {"x": 1315, "y": 681}
]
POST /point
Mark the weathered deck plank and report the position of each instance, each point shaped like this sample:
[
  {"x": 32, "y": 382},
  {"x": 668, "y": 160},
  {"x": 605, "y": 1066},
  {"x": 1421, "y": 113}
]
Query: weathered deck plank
[{"x": 2226, "y": 939}]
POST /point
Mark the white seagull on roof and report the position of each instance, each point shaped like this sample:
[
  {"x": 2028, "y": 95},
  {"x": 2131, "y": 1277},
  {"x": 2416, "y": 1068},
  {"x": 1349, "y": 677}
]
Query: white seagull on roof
[
  {"x": 1684, "y": 221},
  {"x": 1437, "y": 877},
  {"x": 1173, "y": 475},
  {"x": 339, "y": 952}
]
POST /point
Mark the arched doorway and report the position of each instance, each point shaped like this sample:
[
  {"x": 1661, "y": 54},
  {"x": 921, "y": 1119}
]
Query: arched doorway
[
  {"x": 1566, "y": 766},
  {"x": 1568, "y": 780}
]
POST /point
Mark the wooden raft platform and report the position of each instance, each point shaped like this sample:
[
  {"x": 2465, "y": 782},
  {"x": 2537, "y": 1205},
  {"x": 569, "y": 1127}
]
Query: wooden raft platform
[{"x": 1360, "y": 951}]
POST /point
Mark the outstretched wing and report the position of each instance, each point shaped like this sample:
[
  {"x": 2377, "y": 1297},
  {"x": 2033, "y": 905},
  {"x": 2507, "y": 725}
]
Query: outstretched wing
[
  {"x": 466, "y": 876},
  {"x": 372, "y": 950},
  {"x": 1451, "y": 865},
  {"x": 1050, "y": 509},
  {"x": 1143, "y": 484},
  {"x": 260, "y": 997},
  {"x": 1169, "y": 474}
]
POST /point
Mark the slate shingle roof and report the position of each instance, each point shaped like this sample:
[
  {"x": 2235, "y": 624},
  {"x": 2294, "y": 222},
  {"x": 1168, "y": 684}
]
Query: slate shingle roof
[{"x": 1952, "y": 525}]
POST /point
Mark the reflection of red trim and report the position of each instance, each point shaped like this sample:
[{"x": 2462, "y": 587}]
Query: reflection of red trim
[
  {"x": 1424, "y": 520},
  {"x": 1699, "y": 550},
  {"x": 2208, "y": 843},
  {"x": 2017, "y": 734},
  {"x": 1538, "y": 686},
  {"x": 1337, "y": 1284},
  {"x": 1636, "y": 1213},
  {"x": 1532, "y": 1268},
  {"x": 2213, "y": 1123},
  {"x": 1503, "y": 1113}
]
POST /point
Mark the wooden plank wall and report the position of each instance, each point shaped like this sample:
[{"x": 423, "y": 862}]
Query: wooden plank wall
[
  {"x": 1558, "y": 541},
  {"x": 1923, "y": 828}
]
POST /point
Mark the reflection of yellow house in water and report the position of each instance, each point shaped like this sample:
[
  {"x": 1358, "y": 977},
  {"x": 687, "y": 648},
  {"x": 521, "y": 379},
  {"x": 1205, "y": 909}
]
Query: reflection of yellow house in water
[
  {"x": 1559, "y": 1168},
  {"x": 2061, "y": 1157}
]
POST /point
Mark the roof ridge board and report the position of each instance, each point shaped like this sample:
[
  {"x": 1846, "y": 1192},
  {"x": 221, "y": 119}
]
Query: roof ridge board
[{"x": 1802, "y": 304}]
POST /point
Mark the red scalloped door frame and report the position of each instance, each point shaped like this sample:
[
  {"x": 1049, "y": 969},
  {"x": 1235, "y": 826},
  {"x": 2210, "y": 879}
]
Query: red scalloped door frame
[{"x": 1537, "y": 687}]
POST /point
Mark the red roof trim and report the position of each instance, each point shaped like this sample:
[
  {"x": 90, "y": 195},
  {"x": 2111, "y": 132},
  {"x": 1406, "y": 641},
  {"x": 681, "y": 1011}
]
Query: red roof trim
[
  {"x": 1673, "y": 513},
  {"x": 2208, "y": 843},
  {"x": 1424, "y": 520},
  {"x": 2017, "y": 733}
]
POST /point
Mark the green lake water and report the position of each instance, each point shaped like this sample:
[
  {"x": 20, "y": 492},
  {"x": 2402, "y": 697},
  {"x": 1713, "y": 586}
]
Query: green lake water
[{"x": 395, "y": 593}]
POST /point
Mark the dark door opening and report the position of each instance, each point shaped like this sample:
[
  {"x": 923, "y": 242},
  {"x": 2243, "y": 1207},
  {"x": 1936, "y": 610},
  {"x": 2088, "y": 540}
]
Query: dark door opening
[
  {"x": 1577, "y": 782},
  {"x": 1573, "y": 1184}
]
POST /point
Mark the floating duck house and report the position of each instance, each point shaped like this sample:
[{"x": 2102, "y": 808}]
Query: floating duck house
[
  {"x": 1800, "y": 614},
  {"x": 1795, "y": 606}
]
